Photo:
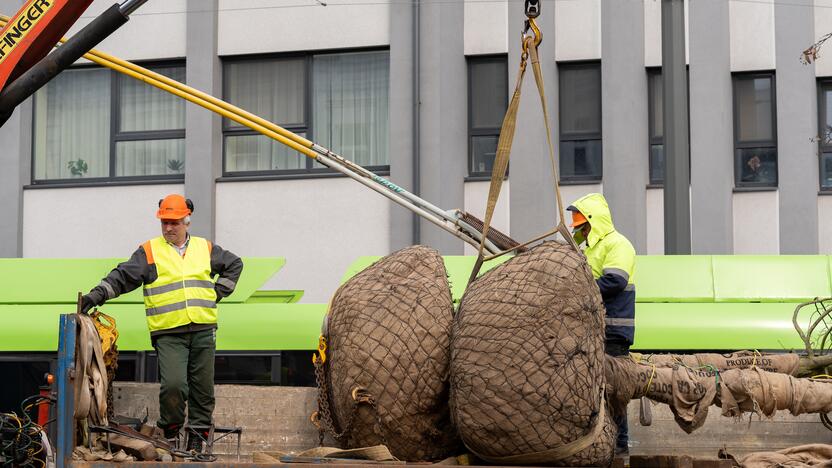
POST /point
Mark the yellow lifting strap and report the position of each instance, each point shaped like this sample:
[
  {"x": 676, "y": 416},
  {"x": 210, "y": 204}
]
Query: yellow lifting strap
[{"x": 530, "y": 42}]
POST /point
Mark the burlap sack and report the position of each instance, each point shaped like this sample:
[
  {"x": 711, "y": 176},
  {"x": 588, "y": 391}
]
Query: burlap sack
[
  {"x": 689, "y": 392},
  {"x": 527, "y": 371},
  {"x": 388, "y": 332},
  {"x": 817, "y": 455},
  {"x": 781, "y": 363}
]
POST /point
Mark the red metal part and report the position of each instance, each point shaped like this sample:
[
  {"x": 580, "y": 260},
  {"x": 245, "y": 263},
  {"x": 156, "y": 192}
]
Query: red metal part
[
  {"x": 43, "y": 407},
  {"x": 33, "y": 32}
]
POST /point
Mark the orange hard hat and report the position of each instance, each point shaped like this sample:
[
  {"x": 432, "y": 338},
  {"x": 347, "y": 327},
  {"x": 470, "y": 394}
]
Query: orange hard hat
[
  {"x": 174, "y": 206},
  {"x": 577, "y": 219}
]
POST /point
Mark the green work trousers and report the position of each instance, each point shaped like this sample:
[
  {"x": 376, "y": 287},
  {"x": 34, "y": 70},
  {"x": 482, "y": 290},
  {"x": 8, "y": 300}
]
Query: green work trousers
[{"x": 186, "y": 369}]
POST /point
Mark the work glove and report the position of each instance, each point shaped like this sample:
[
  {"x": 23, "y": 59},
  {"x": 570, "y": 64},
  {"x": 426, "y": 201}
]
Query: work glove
[{"x": 86, "y": 304}]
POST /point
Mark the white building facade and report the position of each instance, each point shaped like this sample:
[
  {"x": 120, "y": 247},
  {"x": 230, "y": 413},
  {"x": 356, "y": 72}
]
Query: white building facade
[{"x": 416, "y": 91}]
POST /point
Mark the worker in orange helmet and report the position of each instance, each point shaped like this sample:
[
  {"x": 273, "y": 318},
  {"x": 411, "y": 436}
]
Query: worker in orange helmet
[
  {"x": 611, "y": 258},
  {"x": 180, "y": 297}
]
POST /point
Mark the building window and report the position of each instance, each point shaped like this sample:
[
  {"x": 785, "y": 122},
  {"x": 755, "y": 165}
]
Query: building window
[
  {"x": 825, "y": 133},
  {"x": 655, "y": 105},
  {"x": 755, "y": 130},
  {"x": 487, "y": 103},
  {"x": 655, "y": 125},
  {"x": 338, "y": 100},
  {"x": 580, "y": 122},
  {"x": 94, "y": 124}
]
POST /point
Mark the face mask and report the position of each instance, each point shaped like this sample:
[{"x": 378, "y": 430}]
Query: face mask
[{"x": 578, "y": 236}]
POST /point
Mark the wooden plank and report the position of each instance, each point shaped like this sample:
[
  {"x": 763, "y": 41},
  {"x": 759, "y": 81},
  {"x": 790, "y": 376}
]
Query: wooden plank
[{"x": 661, "y": 461}]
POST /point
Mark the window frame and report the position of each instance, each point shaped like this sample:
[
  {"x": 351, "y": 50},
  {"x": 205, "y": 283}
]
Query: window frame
[
  {"x": 580, "y": 136},
  {"x": 824, "y": 84},
  {"x": 738, "y": 183},
  {"x": 116, "y": 80},
  {"x": 296, "y": 127},
  {"x": 483, "y": 131},
  {"x": 653, "y": 72}
]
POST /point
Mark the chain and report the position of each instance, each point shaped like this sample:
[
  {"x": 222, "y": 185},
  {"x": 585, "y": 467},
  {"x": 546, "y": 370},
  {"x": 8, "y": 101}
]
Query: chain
[
  {"x": 111, "y": 360},
  {"x": 323, "y": 417}
]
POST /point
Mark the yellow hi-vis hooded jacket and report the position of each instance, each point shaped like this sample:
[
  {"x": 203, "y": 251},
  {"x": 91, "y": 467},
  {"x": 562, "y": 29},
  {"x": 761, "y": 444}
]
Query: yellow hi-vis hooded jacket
[
  {"x": 183, "y": 292},
  {"x": 612, "y": 259}
]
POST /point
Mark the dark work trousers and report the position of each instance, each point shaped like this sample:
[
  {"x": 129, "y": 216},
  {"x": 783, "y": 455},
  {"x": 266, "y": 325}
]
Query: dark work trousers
[
  {"x": 186, "y": 369},
  {"x": 619, "y": 348}
]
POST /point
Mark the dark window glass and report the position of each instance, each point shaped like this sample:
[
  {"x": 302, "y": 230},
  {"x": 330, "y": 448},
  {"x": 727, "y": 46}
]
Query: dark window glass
[
  {"x": 825, "y": 133},
  {"x": 826, "y": 171},
  {"x": 755, "y": 132},
  {"x": 655, "y": 124},
  {"x": 584, "y": 162},
  {"x": 96, "y": 124},
  {"x": 757, "y": 166},
  {"x": 655, "y": 104},
  {"x": 657, "y": 164},
  {"x": 483, "y": 153},
  {"x": 487, "y": 103},
  {"x": 580, "y": 122},
  {"x": 340, "y": 100},
  {"x": 755, "y": 108}
]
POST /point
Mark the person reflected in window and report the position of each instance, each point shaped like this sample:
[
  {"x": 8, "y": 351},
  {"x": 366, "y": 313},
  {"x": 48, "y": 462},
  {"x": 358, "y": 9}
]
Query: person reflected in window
[{"x": 752, "y": 172}]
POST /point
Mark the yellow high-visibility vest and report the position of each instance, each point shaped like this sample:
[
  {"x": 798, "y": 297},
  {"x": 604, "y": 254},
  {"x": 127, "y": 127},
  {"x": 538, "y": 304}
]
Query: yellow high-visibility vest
[{"x": 183, "y": 293}]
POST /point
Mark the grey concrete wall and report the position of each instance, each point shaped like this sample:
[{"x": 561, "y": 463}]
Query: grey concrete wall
[
  {"x": 15, "y": 159},
  {"x": 797, "y": 124},
  {"x": 532, "y": 202},
  {"x": 203, "y": 135},
  {"x": 403, "y": 17},
  {"x": 272, "y": 418},
  {"x": 624, "y": 118},
  {"x": 738, "y": 437},
  {"x": 277, "y": 419},
  {"x": 443, "y": 118},
  {"x": 711, "y": 128}
]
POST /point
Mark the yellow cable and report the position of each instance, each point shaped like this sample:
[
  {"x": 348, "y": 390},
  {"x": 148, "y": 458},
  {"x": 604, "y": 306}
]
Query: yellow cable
[
  {"x": 650, "y": 380},
  {"x": 218, "y": 106},
  {"x": 821, "y": 376}
]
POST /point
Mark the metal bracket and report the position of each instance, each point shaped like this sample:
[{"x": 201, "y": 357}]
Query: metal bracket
[{"x": 532, "y": 8}]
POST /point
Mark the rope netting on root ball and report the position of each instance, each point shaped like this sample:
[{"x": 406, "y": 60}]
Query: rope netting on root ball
[
  {"x": 527, "y": 363},
  {"x": 384, "y": 379}
]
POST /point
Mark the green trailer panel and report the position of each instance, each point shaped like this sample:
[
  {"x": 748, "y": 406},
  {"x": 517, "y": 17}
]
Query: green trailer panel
[
  {"x": 242, "y": 327},
  {"x": 677, "y": 278},
  {"x": 58, "y": 281},
  {"x": 718, "y": 326},
  {"x": 770, "y": 278}
]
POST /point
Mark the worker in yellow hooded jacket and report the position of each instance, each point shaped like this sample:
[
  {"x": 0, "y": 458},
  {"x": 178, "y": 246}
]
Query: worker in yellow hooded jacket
[{"x": 612, "y": 260}]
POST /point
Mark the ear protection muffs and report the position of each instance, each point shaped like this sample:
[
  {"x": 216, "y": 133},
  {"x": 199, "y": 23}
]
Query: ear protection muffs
[{"x": 188, "y": 203}]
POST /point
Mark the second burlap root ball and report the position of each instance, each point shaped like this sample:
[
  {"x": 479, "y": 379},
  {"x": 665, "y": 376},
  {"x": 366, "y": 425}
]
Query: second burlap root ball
[
  {"x": 527, "y": 362},
  {"x": 388, "y": 333}
]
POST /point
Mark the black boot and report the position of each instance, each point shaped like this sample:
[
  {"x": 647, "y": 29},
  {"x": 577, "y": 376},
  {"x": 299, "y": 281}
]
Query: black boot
[{"x": 196, "y": 440}]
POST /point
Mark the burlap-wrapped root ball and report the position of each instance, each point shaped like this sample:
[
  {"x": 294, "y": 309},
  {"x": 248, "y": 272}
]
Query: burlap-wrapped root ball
[
  {"x": 388, "y": 333},
  {"x": 527, "y": 363}
]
